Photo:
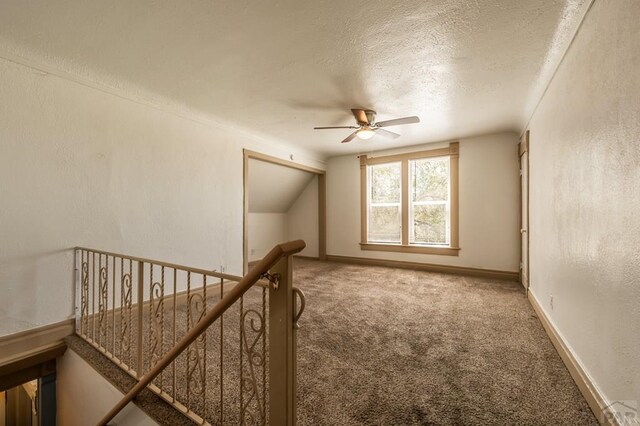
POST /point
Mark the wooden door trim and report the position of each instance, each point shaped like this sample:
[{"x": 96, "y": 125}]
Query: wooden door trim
[
  {"x": 38, "y": 364},
  {"x": 523, "y": 148}
]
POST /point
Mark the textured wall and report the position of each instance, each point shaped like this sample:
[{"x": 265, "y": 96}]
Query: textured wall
[
  {"x": 265, "y": 231},
  {"x": 84, "y": 396},
  {"x": 299, "y": 222},
  {"x": 302, "y": 219},
  {"x": 489, "y": 222},
  {"x": 82, "y": 167},
  {"x": 585, "y": 198}
]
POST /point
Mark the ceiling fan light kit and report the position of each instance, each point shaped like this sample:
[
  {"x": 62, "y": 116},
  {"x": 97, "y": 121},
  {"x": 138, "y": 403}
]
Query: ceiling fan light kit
[
  {"x": 367, "y": 126},
  {"x": 365, "y": 133}
]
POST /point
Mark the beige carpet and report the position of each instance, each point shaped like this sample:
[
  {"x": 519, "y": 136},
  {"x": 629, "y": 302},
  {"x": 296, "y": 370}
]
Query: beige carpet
[{"x": 381, "y": 346}]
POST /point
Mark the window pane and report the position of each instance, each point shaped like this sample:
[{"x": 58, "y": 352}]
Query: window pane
[
  {"x": 384, "y": 224},
  {"x": 430, "y": 179},
  {"x": 385, "y": 183},
  {"x": 430, "y": 224}
]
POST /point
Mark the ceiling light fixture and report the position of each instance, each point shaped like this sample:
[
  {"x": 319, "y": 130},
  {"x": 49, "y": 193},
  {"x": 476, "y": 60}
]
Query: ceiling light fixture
[
  {"x": 367, "y": 126},
  {"x": 365, "y": 133}
]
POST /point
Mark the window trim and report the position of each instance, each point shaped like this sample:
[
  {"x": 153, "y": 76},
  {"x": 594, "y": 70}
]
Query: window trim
[{"x": 453, "y": 152}]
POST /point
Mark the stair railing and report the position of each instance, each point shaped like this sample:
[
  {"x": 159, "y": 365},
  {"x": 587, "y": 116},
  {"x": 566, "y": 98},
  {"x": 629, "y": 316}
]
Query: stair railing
[{"x": 110, "y": 329}]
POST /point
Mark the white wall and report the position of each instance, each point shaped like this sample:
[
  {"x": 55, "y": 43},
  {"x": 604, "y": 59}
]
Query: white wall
[
  {"x": 265, "y": 231},
  {"x": 83, "y": 396},
  {"x": 585, "y": 198},
  {"x": 302, "y": 219},
  {"x": 82, "y": 167},
  {"x": 489, "y": 215}
]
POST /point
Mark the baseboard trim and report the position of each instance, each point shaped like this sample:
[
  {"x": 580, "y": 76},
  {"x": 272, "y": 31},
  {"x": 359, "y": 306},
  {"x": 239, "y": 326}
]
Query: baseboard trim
[
  {"x": 14, "y": 347},
  {"x": 429, "y": 267},
  {"x": 306, "y": 257},
  {"x": 596, "y": 401}
]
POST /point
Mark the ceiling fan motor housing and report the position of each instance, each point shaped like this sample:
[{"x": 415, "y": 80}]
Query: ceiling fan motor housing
[{"x": 371, "y": 117}]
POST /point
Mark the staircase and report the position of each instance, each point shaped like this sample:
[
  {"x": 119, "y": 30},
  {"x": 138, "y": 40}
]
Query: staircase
[{"x": 218, "y": 348}]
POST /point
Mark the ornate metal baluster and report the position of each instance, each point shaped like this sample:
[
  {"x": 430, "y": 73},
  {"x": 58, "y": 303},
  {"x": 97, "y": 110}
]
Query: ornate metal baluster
[
  {"x": 255, "y": 360},
  {"x": 264, "y": 355},
  {"x": 196, "y": 359},
  {"x": 151, "y": 325},
  {"x": 99, "y": 316},
  {"x": 241, "y": 361},
  {"x": 161, "y": 319},
  {"x": 93, "y": 297},
  {"x": 156, "y": 318},
  {"x": 189, "y": 350},
  {"x": 204, "y": 350},
  {"x": 221, "y": 356},
  {"x": 140, "y": 319},
  {"x": 103, "y": 300},
  {"x": 130, "y": 309},
  {"x": 113, "y": 308},
  {"x": 84, "y": 294},
  {"x": 173, "y": 364},
  {"x": 126, "y": 301}
]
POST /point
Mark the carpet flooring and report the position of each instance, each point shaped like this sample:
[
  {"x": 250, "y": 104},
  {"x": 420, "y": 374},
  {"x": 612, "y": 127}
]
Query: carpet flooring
[{"x": 383, "y": 346}]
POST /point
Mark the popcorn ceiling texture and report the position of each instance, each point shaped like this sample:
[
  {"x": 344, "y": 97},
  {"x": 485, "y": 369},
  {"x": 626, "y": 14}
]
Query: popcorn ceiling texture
[{"x": 277, "y": 68}]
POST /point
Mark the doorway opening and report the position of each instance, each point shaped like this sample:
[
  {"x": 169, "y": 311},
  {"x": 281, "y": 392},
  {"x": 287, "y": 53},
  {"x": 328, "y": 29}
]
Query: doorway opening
[
  {"x": 283, "y": 201},
  {"x": 28, "y": 389}
]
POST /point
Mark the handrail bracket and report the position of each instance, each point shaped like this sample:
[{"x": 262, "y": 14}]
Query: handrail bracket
[{"x": 274, "y": 279}]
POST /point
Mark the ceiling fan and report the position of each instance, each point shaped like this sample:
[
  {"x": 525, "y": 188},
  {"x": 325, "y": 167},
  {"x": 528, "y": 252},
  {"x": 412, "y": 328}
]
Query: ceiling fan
[{"x": 367, "y": 126}]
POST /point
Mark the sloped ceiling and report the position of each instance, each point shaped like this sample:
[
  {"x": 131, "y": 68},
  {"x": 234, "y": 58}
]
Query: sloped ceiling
[
  {"x": 273, "y": 188},
  {"x": 280, "y": 67}
]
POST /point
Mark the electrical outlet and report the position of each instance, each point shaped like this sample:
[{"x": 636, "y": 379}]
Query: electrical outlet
[
  {"x": 253, "y": 251},
  {"x": 551, "y": 301},
  {"x": 222, "y": 268}
]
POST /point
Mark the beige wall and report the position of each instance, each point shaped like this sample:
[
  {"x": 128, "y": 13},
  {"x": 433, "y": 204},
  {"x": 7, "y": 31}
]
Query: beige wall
[
  {"x": 299, "y": 222},
  {"x": 585, "y": 199},
  {"x": 489, "y": 224},
  {"x": 302, "y": 219},
  {"x": 83, "y": 396},
  {"x": 265, "y": 231},
  {"x": 79, "y": 166}
]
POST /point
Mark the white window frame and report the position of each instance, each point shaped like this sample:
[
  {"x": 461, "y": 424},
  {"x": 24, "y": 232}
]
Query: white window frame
[{"x": 446, "y": 203}]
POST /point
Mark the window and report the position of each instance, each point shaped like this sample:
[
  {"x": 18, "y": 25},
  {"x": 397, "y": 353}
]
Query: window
[
  {"x": 410, "y": 202},
  {"x": 385, "y": 200},
  {"x": 429, "y": 209}
]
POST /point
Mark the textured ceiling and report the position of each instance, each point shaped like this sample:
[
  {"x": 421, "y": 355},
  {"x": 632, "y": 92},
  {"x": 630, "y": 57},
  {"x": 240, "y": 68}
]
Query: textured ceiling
[
  {"x": 273, "y": 188},
  {"x": 280, "y": 67}
]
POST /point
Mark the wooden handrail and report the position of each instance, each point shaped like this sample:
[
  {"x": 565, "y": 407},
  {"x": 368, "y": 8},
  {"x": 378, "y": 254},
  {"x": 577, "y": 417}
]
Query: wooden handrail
[{"x": 267, "y": 262}]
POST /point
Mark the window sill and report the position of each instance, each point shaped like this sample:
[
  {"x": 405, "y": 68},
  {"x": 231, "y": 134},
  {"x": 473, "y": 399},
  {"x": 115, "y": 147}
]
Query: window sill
[{"x": 444, "y": 251}]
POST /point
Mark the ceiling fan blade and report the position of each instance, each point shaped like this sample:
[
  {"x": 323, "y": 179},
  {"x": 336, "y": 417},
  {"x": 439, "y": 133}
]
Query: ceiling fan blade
[
  {"x": 360, "y": 115},
  {"x": 386, "y": 133},
  {"x": 335, "y": 127},
  {"x": 350, "y": 137},
  {"x": 398, "y": 121}
]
